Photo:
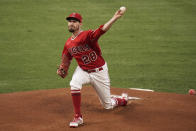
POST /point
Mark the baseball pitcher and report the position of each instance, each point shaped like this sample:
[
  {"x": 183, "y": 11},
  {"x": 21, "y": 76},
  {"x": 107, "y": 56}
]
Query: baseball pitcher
[{"x": 92, "y": 68}]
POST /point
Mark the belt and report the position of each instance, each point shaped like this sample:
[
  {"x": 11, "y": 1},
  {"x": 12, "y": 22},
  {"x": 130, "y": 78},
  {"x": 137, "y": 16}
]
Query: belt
[{"x": 94, "y": 70}]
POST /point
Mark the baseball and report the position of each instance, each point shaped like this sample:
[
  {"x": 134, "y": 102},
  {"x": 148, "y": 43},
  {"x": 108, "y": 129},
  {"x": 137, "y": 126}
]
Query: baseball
[
  {"x": 192, "y": 92},
  {"x": 122, "y": 9}
]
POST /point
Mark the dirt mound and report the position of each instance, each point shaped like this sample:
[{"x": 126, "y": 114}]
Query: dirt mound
[{"x": 51, "y": 110}]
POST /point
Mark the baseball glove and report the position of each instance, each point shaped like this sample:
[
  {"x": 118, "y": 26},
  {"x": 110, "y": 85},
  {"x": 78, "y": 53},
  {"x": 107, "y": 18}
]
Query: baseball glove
[{"x": 61, "y": 71}]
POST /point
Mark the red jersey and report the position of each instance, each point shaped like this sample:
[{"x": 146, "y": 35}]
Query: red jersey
[{"x": 85, "y": 49}]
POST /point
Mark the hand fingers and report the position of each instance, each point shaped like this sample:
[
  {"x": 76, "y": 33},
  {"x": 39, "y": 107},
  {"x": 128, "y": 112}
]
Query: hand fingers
[{"x": 59, "y": 72}]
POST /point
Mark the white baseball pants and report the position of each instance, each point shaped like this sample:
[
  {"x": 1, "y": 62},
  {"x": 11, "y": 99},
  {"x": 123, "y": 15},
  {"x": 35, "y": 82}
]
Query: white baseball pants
[{"x": 99, "y": 80}]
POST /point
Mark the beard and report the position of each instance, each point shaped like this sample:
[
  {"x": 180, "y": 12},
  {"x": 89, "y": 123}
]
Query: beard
[{"x": 73, "y": 29}]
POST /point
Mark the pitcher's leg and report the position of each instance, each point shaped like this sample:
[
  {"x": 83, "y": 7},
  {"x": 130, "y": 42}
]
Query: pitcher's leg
[
  {"x": 103, "y": 92},
  {"x": 106, "y": 100},
  {"x": 79, "y": 78},
  {"x": 101, "y": 83}
]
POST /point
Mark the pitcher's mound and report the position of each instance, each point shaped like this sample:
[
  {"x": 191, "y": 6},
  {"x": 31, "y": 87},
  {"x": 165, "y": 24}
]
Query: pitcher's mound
[{"x": 51, "y": 110}]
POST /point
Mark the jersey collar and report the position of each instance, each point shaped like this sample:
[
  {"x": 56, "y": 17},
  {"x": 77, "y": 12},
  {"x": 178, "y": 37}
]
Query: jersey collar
[{"x": 72, "y": 38}]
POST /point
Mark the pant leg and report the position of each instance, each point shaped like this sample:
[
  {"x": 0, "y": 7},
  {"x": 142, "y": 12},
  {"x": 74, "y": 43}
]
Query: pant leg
[
  {"x": 101, "y": 83},
  {"x": 79, "y": 78}
]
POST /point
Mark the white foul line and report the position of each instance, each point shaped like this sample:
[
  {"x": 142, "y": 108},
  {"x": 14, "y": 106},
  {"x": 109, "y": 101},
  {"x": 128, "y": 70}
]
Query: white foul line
[{"x": 139, "y": 89}]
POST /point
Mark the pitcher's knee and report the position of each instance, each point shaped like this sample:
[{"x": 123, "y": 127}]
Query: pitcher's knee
[
  {"x": 75, "y": 86},
  {"x": 108, "y": 106},
  {"x": 109, "y": 103}
]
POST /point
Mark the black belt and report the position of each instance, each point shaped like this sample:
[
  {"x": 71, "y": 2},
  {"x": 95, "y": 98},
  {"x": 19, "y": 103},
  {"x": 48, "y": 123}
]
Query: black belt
[{"x": 94, "y": 70}]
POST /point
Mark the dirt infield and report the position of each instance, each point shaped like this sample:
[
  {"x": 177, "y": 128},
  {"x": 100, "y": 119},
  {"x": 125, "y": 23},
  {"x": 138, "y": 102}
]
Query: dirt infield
[{"x": 51, "y": 110}]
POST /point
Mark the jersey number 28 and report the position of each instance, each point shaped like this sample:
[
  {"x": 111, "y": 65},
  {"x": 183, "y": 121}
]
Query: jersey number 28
[{"x": 92, "y": 56}]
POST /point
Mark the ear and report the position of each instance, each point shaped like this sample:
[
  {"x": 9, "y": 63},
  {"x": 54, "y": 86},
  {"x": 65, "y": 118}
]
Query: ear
[{"x": 80, "y": 24}]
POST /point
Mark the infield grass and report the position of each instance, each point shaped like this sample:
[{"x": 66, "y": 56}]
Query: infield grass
[{"x": 152, "y": 46}]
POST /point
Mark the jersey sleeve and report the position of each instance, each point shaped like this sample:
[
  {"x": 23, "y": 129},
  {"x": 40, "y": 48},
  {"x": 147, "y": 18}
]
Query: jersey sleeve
[
  {"x": 95, "y": 34},
  {"x": 66, "y": 53}
]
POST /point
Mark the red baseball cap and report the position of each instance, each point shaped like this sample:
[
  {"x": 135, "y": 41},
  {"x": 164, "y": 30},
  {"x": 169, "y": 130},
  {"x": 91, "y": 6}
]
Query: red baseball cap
[{"x": 75, "y": 16}]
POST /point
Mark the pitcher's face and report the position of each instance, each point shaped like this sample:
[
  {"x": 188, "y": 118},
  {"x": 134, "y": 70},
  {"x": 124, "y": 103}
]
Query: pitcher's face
[{"x": 73, "y": 26}]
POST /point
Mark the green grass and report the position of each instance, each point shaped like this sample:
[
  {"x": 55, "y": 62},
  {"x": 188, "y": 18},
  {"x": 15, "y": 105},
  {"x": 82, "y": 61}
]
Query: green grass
[{"x": 152, "y": 46}]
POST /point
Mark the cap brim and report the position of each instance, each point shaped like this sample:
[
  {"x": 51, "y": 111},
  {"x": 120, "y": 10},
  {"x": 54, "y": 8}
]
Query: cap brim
[{"x": 72, "y": 18}]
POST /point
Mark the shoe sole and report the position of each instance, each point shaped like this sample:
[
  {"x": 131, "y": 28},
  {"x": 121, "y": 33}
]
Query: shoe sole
[
  {"x": 75, "y": 124},
  {"x": 72, "y": 126}
]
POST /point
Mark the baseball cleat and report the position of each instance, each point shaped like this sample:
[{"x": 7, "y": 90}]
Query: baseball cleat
[
  {"x": 121, "y": 100},
  {"x": 77, "y": 121},
  {"x": 125, "y": 96}
]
